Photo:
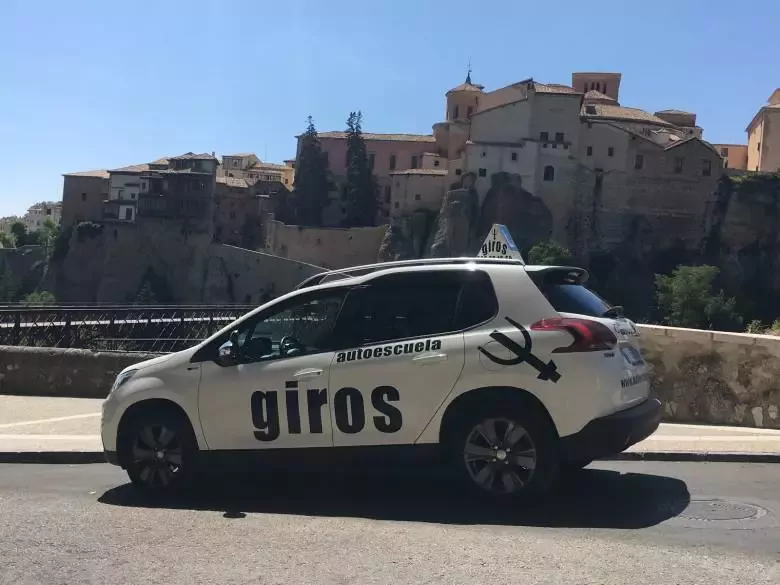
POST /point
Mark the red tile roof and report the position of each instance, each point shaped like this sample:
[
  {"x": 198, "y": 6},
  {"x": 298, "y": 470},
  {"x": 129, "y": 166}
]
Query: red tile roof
[{"x": 388, "y": 137}]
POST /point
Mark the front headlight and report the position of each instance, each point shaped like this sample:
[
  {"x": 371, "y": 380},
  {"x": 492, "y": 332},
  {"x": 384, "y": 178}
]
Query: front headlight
[{"x": 122, "y": 378}]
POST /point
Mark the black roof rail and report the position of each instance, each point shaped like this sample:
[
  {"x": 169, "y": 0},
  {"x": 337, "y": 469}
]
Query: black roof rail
[{"x": 353, "y": 271}]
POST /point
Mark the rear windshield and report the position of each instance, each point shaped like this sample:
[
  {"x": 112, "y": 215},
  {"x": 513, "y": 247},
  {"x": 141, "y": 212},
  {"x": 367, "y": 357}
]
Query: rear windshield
[{"x": 574, "y": 298}]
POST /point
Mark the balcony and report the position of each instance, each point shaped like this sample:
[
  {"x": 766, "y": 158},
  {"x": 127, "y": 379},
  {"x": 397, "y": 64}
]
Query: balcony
[{"x": 173, "y": 206}]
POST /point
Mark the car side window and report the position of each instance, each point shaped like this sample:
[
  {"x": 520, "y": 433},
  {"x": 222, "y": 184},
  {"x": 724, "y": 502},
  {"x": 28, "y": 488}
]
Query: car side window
[
  {"x": 401, "y": 306},
  {"x": 478, "y": 302},
  {"x": 299, "y": 327}
]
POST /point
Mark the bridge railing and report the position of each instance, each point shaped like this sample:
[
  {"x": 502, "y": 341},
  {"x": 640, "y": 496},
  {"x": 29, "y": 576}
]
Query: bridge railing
[{"x": 159, "y": 328}]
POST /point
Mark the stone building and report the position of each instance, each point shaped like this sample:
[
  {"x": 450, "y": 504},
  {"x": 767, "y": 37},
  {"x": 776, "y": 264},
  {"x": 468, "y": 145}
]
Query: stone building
[
  {"x": 242, "y": 209},
  {"x": 387, "y": 153},
  {"x": 735, "y": 156},
  {"x": 248, "y": 166},
  {"x": 83, "y": 194},
  {"x": 764, "y": 137},
  {"x": 177, "y": 187}
]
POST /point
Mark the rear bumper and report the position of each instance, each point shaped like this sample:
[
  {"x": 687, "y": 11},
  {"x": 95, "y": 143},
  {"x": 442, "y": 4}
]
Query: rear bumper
[{"x": 612, "y": 434}]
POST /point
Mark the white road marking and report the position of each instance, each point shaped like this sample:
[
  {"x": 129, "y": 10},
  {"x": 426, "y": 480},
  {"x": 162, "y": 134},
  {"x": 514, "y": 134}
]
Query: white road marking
[
  {"x": 26, "y": 423},
  {"x": 713, "y": 438}
]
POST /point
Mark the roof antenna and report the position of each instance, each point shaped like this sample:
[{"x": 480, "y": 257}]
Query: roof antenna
[{"x": 468, "y": 75}]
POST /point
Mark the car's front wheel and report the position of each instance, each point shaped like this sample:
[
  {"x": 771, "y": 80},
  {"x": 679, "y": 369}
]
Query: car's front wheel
[
  {"x": 158, "y": 450},
  {"x": 505, "y": 451}
]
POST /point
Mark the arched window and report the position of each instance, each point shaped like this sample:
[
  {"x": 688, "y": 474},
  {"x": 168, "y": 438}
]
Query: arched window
[
  {"x": 598, "y": 87},
  {"x": 605, "y": 88},
  {"x": 549, "y": 173}
]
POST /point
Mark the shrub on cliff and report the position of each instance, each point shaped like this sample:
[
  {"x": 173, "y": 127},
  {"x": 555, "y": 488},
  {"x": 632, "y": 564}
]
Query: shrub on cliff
[
  {"x": 688, "y": 298},
  {"x": 549, "y": 254}
]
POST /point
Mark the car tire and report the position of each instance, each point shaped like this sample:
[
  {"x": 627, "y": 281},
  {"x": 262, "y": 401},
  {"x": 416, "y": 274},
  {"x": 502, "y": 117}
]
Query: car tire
[
  {"x": 505, "y": 450},
  {"x": 158, "y": 450}
]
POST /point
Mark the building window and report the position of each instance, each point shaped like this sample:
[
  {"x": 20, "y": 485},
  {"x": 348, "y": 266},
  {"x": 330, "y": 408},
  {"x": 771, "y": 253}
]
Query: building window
[
  {"x": 83, "y": 196},
  {"x": 129, "y": 214},
  {"x": 455, "y": 112},
  {"x": 286, "y": 181},
  {"x": 559, "y": 137},
  {"x": 235, "y": 164},
  {"x": 725, "y": 163},
  {"x": 544, "y": 145},
  {"x": 484, "y": 154},
  {"x": 565, "y": 147},
  {"x": 392, "y": 162},
  {"x": 610, "y": 151},
  {"x": 759, "y": 148},
  {"x": 120, "y": 193},
  {"x": 387, "y": 193},
  {"x": 679, "y": 162},
  {"x": 549, "y": 173},
  {"x": 514, "y": 156},
  {"x": 482, "y": 172},
  {"x": 724, "y": 151},
  {"x": 417, "y": 197},
  {"x": 706, "y": 168},
  {"x": 589, "y": 151},
  {"x": 414, "y": 161},
  {"x": 555, "y": 145},
  {"x": 132, "y": 195},
  {"x": 458, "y": 172},
  {"x": 436, "y": 162},
  {"x": 544, "y": 136},
  {"x": 469, "y": 111},
  {"x": 639, "y": 161},
  {"x": 605, "y": 88},
  {"x": 396, "y": 204}
]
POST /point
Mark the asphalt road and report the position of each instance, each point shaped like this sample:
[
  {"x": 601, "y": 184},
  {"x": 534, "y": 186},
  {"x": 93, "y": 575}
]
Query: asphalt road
[{"x": 629, "y": 522}]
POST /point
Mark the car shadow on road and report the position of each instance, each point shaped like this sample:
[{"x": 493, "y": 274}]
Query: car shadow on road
[{"x": 591, "y": 498}]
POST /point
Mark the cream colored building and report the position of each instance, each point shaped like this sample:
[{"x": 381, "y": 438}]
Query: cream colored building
[
  {"x": 416, "y": 189},
  {"x": 248, "y": 166},
  {"x": 763, "y": 150}
]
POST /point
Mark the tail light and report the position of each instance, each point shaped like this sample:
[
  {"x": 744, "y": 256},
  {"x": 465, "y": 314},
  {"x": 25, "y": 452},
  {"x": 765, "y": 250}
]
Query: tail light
[{"x": 588, "y": 335}]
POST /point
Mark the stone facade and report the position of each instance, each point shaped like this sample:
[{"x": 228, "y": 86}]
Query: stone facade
[
  {"x": 327, "y": 247},
  {"x": 713, "y": 377},
  {"x": 83, "y": 195}
]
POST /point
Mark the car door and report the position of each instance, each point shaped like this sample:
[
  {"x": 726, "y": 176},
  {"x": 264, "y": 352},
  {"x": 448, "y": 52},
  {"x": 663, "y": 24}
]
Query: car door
[
  {"x": 275, "y": 396},
  {"x": 404, "y": 358}
]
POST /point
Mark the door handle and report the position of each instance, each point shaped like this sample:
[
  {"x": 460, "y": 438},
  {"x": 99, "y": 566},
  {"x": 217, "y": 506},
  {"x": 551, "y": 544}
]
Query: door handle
[
  {"x": 307, "y": 373},
  {"x": 429, "y": 358}
]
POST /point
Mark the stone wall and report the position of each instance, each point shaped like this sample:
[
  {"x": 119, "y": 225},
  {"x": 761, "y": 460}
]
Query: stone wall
[
  {"x": 327, "y": 247},
  {"x": 78, "y": 373},
  {"x": 715, "y": 377},
  {"x": 700, "y": 376}
]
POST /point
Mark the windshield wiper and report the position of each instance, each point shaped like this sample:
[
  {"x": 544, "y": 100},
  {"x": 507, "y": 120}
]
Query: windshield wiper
[{"x": 612, "y": 312}]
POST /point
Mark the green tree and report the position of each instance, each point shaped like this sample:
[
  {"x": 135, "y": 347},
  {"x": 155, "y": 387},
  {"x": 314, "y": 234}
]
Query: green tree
[
  {"x": 549, "y": 254},
  {"x": 311, "y": 180},
  {"x": 41, "y": 297},
  {"x": 361, "y": 187},
  {"x": 6, "y": 241},
  {"x": 19, "y": 231},
  {"x": 687, "y": 298}
]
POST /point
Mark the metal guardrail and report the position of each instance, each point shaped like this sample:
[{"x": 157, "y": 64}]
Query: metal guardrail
[{"x": 159, "y": 328}]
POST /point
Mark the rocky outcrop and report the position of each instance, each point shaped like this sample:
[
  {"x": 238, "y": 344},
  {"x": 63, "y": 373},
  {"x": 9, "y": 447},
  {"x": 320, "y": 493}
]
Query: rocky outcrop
[
  {"x": 454, "y": 231},
  {"x": 113, "y": 263},
  {"x": 506, "y": 202},
  {"x": 406, "y": 237}
]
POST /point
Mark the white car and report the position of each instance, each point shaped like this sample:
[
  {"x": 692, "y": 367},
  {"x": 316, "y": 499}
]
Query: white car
[{"x": 509, "y": 373}]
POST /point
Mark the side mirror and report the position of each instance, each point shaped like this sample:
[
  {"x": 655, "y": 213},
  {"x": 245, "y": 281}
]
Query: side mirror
[{"x": 229, "y": 352}]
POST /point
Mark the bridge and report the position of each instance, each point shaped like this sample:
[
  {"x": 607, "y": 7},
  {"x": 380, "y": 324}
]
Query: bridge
[{"x": 157, "y": 328}]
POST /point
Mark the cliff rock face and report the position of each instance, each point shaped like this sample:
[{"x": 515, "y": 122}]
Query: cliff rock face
[
  {"x": 406, "y": 237},
  {"x": 112, "y": 263},
  {"x": 454, "y": 228}
]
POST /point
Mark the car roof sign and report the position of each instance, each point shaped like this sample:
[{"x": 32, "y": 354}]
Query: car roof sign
[{"x": 499, "y": 244}]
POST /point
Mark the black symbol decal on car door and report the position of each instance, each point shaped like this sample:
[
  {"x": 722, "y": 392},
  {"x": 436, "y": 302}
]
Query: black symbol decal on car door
[{"x": 547, "y": 371}]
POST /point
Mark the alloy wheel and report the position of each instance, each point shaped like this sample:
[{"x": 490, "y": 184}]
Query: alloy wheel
[
  {"x": 500, "y": 456},
  {"x": 157, "y": 453}
]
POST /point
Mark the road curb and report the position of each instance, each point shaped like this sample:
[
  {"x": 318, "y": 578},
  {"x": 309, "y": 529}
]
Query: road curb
[
  {"x": 693, "y": 456},
  {"x": 51, "y": 457}
]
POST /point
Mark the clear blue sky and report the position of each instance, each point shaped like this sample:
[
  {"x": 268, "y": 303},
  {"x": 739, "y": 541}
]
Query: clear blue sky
[{"x": 101, "y": 84}]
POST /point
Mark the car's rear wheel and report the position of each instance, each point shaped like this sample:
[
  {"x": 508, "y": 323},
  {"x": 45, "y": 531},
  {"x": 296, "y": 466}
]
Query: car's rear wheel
[
  {"x": 158, "y": 450},
  {"x": 505, "y": 451}
]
